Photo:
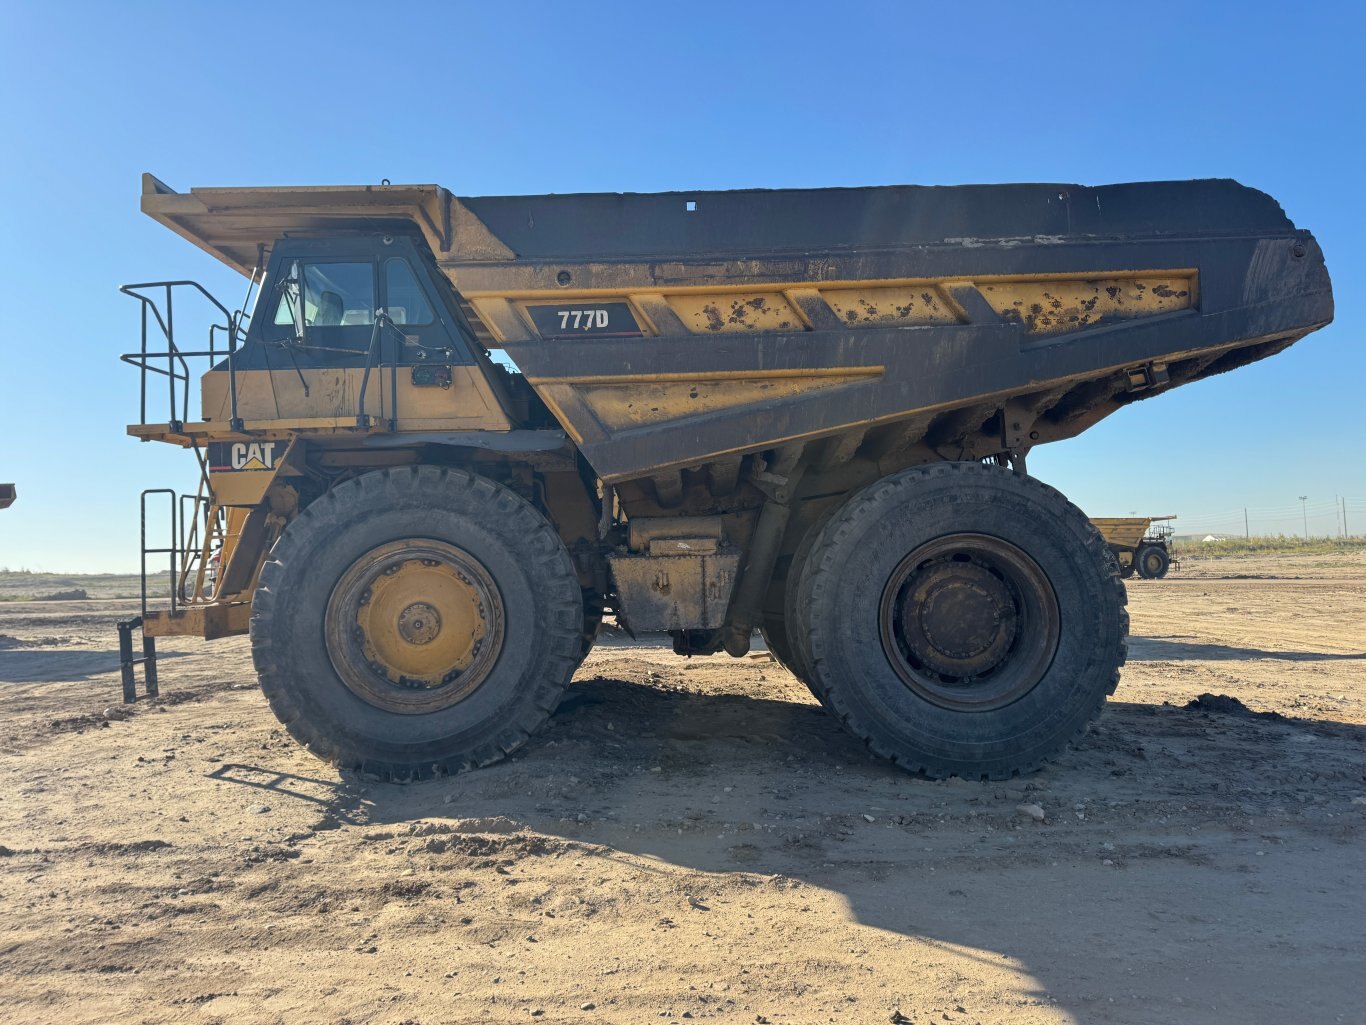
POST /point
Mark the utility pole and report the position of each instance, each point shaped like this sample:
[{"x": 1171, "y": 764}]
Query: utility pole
[
  {"x": 1305, "y": 510},
  {"x": 1344, "y": 517},
  {"x": 1246, "y": 531}
]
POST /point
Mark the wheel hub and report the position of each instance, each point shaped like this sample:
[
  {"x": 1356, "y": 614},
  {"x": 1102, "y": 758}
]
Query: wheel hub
[
  {"x": 960, "y": 619},
  {"x": 419, "y": 623},
  {"x": 969, "y": 622},
  {"x": 414, "y": 626}
]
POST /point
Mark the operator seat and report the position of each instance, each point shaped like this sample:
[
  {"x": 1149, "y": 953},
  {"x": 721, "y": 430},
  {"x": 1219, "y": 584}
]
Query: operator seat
[{"x": 329, "y": 312}]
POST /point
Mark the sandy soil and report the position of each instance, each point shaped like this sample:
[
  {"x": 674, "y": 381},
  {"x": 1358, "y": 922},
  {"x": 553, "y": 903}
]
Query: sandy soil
[{"x": 697, "y": 840}]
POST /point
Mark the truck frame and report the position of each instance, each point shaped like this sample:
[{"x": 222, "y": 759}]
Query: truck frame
[{"x": 803, "y": 412}]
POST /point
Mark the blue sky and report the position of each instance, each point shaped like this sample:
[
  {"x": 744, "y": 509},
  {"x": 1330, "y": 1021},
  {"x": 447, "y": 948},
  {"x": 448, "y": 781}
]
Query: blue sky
[{"x": 514, "y": 97}]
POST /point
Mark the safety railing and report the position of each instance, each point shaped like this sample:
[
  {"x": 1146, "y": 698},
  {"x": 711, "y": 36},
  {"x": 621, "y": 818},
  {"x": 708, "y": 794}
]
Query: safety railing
[
  {"x": 159, "y": 353},
  {"x": 188, "y": 537}
]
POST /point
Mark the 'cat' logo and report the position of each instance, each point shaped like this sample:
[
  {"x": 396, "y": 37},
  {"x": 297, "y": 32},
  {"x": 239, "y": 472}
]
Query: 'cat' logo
[
  {"x": 254, "y": 455},
  {"x": 244, "y": 455}
]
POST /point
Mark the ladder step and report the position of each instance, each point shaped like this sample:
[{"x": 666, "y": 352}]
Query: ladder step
[{"x": 127, "y": 661}]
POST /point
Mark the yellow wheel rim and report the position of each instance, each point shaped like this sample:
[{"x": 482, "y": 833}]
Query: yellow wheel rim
[{"x": 414, "y": 626}]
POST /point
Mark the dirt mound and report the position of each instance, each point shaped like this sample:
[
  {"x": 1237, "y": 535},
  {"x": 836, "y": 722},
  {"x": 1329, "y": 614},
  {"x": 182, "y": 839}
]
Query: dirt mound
[
  {"x": 8, "y": 641},
  {"x": 1223, "y": 704}
]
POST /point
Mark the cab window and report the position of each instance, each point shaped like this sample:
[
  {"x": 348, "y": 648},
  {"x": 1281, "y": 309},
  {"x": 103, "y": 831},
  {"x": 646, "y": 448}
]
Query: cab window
[
  {"x": 333, "y": 295},
  {"x": 403, "y": 296}
]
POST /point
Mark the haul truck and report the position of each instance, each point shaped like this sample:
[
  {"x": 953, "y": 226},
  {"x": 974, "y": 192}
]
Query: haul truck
[
  {"x": 1137, "y": 545},
  {"x": 806, "y": 412}
]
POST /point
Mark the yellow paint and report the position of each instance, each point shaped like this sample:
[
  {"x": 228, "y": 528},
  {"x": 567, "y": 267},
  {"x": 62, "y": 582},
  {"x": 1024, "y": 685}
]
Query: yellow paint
[
  {"x": 333, "y": 395},
  {"x": 627, "y": 402},
  {"x": 1045, "y": 304},
  {"x": 207, "y": 621},
  {"x": 890, "y": 306},
  {"x": 1050, "y": 306},
  {"x": 1127, "y": 531},
  {"x": 421, "y": 622},
  {"x": 710, "y": 313}
]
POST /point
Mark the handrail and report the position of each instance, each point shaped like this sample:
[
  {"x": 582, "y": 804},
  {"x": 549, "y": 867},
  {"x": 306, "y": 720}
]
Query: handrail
[
  {"x": 381, "y": 319},
  {"x": 171, "y": 552},
  {"x": 177, "y": 368},
  {"x": 186, "y": 551}
]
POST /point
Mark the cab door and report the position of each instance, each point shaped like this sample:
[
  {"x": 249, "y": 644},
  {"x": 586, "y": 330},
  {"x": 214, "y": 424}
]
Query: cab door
[{"x": 440, "y": 383}]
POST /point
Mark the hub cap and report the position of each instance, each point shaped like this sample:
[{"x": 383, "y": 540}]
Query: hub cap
[
  {"x": 414, "y": 626},
  {"x": 969, "y": 622}
]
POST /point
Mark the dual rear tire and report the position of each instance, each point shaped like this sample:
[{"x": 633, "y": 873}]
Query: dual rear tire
[{"x": 961, "y": 619}]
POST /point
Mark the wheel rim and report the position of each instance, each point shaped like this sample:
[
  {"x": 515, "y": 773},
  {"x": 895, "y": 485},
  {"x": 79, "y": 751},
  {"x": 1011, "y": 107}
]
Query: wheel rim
[
  {"x": 1152, "y": 563},
  {"x": 969, "y": 622},
  {"x": 414, "y": 626}
]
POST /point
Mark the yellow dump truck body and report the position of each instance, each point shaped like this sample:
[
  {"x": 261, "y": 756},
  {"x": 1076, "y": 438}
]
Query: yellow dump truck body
[{"x": 1124, "y": 531}]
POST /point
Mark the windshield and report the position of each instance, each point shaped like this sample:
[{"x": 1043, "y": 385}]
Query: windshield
[{"x": 334, "y": 295}]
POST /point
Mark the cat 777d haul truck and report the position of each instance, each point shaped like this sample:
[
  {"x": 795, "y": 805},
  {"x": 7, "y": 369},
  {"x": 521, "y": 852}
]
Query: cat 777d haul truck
[{"x": 804, "y": 412}]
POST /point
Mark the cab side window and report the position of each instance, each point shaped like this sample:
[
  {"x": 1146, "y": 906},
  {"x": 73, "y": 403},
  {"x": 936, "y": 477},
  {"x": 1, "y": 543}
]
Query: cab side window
[
  {"x": 404, "y": 299},
  {"x": 332, "y": 295}
]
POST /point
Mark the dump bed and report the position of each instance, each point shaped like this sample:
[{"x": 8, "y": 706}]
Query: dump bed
[
  {"x": 1125, "y": 531},
  {"x": 680, "y": 329}
]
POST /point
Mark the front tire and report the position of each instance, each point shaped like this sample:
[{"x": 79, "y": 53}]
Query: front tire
[
  {"x": 961, "y": 619},
  {"x": 416, "y": 621},
  {"x": 1152, "y": 562}
]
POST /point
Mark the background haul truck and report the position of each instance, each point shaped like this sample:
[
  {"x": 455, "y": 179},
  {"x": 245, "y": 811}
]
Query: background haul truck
[
  {"x": 1137, "y": 545},
  {"x": 806, "y": 412}
]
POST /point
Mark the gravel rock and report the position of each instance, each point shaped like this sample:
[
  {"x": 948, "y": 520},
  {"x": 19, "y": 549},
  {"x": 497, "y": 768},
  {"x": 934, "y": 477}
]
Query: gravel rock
[
  {"x": 587, "y": 1005},
  {"x": 259, "y": 809},
  {"x": 115, "y": 712},
  {"x": 1030, "y": 811}
]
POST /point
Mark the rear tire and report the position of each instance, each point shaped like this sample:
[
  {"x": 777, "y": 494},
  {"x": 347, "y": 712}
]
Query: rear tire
[
  {"x": 1152, "y": 562},
  {"x": 776, "y": 628},
  {"x": 416, "y": 621},
  {"x": 961, "y": 619},
  {"x": 592, "y": 623}
]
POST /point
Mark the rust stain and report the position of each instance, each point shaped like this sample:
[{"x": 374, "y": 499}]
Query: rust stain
[{"x": 1047, "y": 307}]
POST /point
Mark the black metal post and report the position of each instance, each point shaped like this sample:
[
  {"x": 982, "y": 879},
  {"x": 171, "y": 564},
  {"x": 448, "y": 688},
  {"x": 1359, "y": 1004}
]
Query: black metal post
[
  {"x": 126, "y": 663},
  {"x": 149, "y": 664}
]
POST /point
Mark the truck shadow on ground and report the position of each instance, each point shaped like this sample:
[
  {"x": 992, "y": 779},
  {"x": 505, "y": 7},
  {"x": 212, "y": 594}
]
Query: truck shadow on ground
[
  {"x": 57, "y": 665},
  {"x": 718, "y": 795}
]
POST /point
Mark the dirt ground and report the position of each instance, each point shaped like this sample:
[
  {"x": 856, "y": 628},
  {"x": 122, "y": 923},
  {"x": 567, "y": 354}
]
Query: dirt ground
[{"x": 696, "y": 840}]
